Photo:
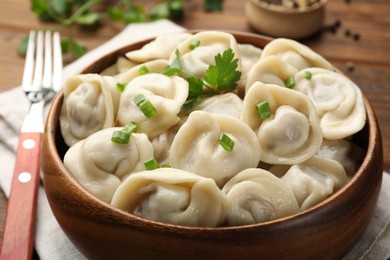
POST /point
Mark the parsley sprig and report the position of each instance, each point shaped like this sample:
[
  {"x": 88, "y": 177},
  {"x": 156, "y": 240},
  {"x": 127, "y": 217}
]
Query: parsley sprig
[{"x": 219, "y": 78}]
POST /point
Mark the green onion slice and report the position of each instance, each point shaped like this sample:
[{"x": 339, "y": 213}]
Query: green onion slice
[
  {"x": 147, "y": 108},
  {"x": 145, "y": 105},
  {"x": 308, "y": 75},
  {"x": 139, "y": 99},
  {"x": 130, "y": 128},
  {"x": 120, "y": 86},
  {"x": 151, "y": 164},
  {"x": 290, "y": 82},
  {"x": 226, "y": 142},
  {"x": 263, "y": 110},
  {"x": 194, "y": 44},
  {"x": 143, "y": 70},
  {"x": 123, "y": 136},
  {"x": 120, "y": 137}
]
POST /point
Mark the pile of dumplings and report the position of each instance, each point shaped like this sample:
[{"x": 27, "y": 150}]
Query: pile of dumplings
[{"x": 279, "y": 166}]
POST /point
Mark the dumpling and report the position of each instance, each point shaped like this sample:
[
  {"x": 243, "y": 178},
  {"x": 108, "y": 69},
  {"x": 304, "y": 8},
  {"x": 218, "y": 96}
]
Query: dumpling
[
  {"x": 172, "y": 196},
  {"x": 345, "y": 152},
  {"x": 337, "y": 100},
  {"x": 100, "y": 165},
  {"x": 155, "y": 66},
  {"x": 270, "y": 70},
  {"x": 291, "y": 134},
  {"x": 196, "y": 61},
  {"x": 225, "y": 104},
  {"x": 295, "y": 54},
  {"x": 166, "y": 94},
  {"x": 90, "y": 104},
  {"x": 121, "y": 65},
  {"x": 160, "y": 48},
  {"x": 255, "y": 196},
  {"x": 249, "y": 55},
  {"x": 314, "y": 180},
  {"x": 196, "y": 147},
  {"x": 162, "y": 143}
]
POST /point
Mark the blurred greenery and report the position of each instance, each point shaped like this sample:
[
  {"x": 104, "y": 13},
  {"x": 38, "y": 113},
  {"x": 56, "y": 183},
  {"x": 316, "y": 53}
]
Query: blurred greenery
[{"x": 67, "y": 14}]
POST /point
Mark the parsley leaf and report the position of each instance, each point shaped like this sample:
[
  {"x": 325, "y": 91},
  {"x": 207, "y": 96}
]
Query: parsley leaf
[
  {"x": 175, "y": 67},
  {"x": 219, "y": 78},
  {"x": 195, "y": 86},
  {"x": 224, "y": 74}
]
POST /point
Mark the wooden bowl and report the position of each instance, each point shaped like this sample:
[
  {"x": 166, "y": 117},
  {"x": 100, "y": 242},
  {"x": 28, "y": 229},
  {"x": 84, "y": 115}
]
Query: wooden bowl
[
  {"x": 285, "y": 22},
  {"x": 100, "y": 231}
]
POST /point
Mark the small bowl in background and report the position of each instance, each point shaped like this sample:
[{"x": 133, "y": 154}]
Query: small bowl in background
[{"x": 288, "y": 22}]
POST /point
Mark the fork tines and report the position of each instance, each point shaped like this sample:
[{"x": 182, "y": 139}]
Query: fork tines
[{"x": 35, "y": 76}]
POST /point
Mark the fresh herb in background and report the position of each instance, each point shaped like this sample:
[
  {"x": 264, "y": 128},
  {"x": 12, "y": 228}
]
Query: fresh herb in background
[
  {"x": 213, "y": 5},
  {"x": 69, "y": 14}
]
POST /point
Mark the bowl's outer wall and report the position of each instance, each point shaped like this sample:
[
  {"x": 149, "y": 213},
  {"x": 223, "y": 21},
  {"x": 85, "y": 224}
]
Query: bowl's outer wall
[
  {"x": 100, "y": 231},
  {"x": 284, "y": 23}
]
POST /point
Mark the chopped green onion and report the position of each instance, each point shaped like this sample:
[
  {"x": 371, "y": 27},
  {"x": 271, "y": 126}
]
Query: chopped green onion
[
  {"x": 145, "y": 105},
  {"x": 151, "y": 164},
  {"x": 308, "y": 75},
  {"x": 226, "y": 142},
  {"x": 123, "y": 136},
  {"x": 263, "y": 110},
  {"x": 120, "y": 86},
  {"x": 120, "y": 137},
  {"x": 194, "y": 44},
  {"x": 130, "y": 127},
  {"x": 147, "y": 108},
  {"x": 165, "y": 165},
  {"x": 290, "y": 82},
  {"x": 143, "y": 70},
  {"x": 139, "y": 99}
]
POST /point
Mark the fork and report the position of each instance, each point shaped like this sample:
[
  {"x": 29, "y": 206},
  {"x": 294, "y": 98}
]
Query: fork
[{"x": 41, "y": 80}]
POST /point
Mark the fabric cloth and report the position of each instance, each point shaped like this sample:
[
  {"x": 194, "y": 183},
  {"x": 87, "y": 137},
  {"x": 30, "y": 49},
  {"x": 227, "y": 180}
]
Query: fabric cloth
[{"x": 50, "y": 241}]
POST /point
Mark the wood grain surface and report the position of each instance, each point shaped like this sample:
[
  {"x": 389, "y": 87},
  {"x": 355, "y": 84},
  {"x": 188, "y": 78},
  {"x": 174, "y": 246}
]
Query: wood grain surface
[{"x": 359, "y": 46}]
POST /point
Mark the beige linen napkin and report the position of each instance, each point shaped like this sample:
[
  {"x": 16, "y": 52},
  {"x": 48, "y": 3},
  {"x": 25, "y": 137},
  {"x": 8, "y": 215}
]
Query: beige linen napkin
[{"x": 51, "y": 243}]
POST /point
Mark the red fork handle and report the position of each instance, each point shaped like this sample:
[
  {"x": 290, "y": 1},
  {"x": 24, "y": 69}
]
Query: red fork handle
[{"x": 18, "y": 236}]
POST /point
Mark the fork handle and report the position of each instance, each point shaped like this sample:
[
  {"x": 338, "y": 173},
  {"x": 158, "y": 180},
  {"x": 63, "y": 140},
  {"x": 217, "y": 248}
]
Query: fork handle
[{"x": 21, "y": 210}]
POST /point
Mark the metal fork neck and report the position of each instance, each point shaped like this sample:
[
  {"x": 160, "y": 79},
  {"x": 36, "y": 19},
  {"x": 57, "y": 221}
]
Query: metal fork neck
[{"x": 34, "y": 119}]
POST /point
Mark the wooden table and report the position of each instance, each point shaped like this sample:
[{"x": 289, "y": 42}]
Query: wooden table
[{"x": 368, "y": 53}]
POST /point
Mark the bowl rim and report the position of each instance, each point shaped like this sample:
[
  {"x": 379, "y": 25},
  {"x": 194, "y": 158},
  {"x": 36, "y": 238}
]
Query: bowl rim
[{"x": 52, "y": 127}]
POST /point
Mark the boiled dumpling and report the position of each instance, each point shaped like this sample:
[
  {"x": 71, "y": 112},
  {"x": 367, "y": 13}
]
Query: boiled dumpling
[
  {"x": 155, "y": 66},
  {"x": 196, "y": 61},
  {"x": 344, "y": 151},
  {"x": 90, "y": 104},
  {"x": 314, "y": 180},
  {"x": 166, "y": 94},
  {"x": 291, "y": 134},
  {"x": 270, "y": 70},
  {"x": 121, "y": 65},
  {"x": 172, "y": 196},
  {"x": 100, "y": 165},
  {"x": 225, "y": 104},
  {"x": 160, "y": 48},
  {"x": 249, "y": 55},
  {"x": 337, "y": 100},
  {"x": 196, "y": 148},
  {"x": 162, "y": 143},
  {"x": 255, "y": 196},
  {"x": 295, "y": 54}
]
